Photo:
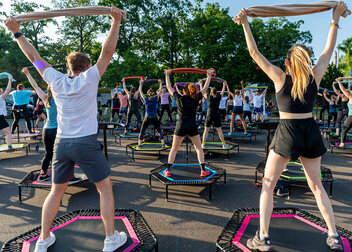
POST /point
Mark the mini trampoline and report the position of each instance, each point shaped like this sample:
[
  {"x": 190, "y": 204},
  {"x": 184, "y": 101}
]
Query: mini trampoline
[
  {"x": 31, "y": 180},
  {"x": 83, "y": 230},
  {"x": 216, "y": 148},
  {"x": 188, "y": 175},
  {"x": 129, "y": 136},
  {"x": 16, "y": 147},
  {"x": 291, "y": 230},
  {"x": 294, "y": 174},
  {"x": 240, "y": 135},
  {"x": 154, "y": 148},
  {"x": 334, "y": 147}
]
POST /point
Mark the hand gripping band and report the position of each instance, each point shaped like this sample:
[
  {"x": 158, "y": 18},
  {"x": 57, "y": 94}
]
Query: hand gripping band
[
  {"x": 80, "y": 11},
  {"x": 191, "y": 70}
]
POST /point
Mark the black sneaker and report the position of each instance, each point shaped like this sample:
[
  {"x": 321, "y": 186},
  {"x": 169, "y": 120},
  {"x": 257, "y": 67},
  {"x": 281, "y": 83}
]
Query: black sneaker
[
  {"x": 256, "y": 244},
  {"x": 10, "y": 148},
  {"x": 74, "y": 180},
  {"x": 282, "y": 191},
  {"x": 334, "y": 243},
  {"x": 44, "y": 177}
]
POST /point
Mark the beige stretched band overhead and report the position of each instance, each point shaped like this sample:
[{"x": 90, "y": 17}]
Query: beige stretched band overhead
[
  {"x": 292, "y": 9},
  {"x": 80, "y": 11}
]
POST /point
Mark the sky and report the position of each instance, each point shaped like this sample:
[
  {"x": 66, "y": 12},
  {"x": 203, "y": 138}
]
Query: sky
[{"x": 318, "y": 24}]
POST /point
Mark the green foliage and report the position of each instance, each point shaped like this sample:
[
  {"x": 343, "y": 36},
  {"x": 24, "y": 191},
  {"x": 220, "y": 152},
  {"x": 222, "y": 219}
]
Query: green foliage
[
  {"x": 346, "y": 60},
  {"x": 330, "y": 76}
]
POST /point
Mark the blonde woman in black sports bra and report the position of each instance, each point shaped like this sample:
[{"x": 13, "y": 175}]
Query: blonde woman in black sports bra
[{"x": 297, "y": 135}]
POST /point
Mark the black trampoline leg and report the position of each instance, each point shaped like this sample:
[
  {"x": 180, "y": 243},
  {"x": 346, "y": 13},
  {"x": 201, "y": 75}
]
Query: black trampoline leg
[
  {"x": 210, "y": 189},
  {"x": 150, "y": 180},
  {"x": 225, "y": 177},
  {"x": 330, "y": 194},
  {"x": 20, "y": 193},
  {"x": 156, "y": 249},
  {"x": 289, "y": 191},
  {"x": 27, "y": 151},
  {"x": 167, "y": 193}
]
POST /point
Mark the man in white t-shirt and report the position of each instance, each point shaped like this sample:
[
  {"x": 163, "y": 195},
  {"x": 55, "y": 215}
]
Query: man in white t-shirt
[
  {"x": 258, "y": 106},
  {"x": 76, "y": 141}
]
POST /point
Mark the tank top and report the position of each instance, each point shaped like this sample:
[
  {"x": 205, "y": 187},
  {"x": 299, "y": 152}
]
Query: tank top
[
  {"x": 213, "y": 105},
  {"x": 123, "y": 100},
  {"x": 151, "y": 106},
  {"x": 115, "y": 103},
  {"x": 164, "y": 98},
  {"x": 246, "y": 107},
  {"x": 238, "y": 101},
  {"x": 349, "y": 105},
  {"x": 344, "y": 105},
  {"x": 332, "y": 108},
  {"x": 257, "y": 101},
  {"x": 132, "y": 103},
  {"x": 2, "y": 106},
  {"x": 286, "y": 103},
  {"x": 51, "y": 121},
  {"x": 39, "y": 107}
]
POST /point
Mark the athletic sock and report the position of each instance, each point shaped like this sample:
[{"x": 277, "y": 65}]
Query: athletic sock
[
  {"x": 202, "y": 166},
  {"x": 263, "y": 236},
  {"x": 333, "y": 234},
  {"x": 112, "y": 237}
]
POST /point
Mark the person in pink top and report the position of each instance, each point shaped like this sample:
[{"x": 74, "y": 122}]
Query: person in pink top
[
  {"x": 123, "y": 104},
  {"x": 165, "y": 105}
]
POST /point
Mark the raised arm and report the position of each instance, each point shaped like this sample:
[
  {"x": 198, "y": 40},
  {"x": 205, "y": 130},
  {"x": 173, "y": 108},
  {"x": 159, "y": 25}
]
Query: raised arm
[
  {"x": 344, "y": 90},
  {"x": 26, "y": 47},
  {"x": 251, "y": 99},
  {"x": 242, "y": 88},
  {"x": 324, "y": 59},
  {"x": 229, "y": 91},
  {"x": 337, "y": 92},
  {"x": 177, "y": 89},
  {"x": 168, "y": 82},
  {"x": 264, "y": 93},
  {"x": 8, "y": 88},
  {"x": 160, "y": 88},
  {"x": 124, "y": 87},
  {"x": 34, "y": 84},
  {"x": 110, "y": 43},
  {"x": 223, "y": 89},
  {"x": 137, "y": 93},
  {"x": 273, "y": 72},
  {"x": 207, "y": 82},
  {"x": 205, "y": 95},
  {"x": 327, "y": 99}
]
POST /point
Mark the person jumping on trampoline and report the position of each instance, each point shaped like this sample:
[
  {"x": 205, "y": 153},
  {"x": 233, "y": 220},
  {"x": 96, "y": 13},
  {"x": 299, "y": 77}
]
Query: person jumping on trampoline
[
  {"x": 50, "y": 127},
  {"x": 39, "y": 112},
  {"x": 165, "y": 105},
  {"x": 75, "y": 96},
  {"x": 343, "y": 113},
  {"x": 348, "y": 123},
  {"x": 257, "y": 112},
  {"x": 186, "y": 124},
  {"x": 115, "y": 106},
  {"x": 297, "y": 135},
  {"x": 238, "y": 108},
  {"x": 332, "y": 116},
  {"x": 213, "y": 113},
  {"x": 151, "y": 110},
  {"x": 132, "y": 106},
  {"x": 21, "y": 98},
  {"x": 4, "y": 126},
  {"x": 247, "y": 107},
  {"x": 123, "y": 97}
]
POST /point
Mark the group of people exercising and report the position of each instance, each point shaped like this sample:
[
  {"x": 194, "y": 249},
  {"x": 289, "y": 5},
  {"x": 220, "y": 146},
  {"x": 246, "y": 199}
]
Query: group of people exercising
[{"x": 297, "y": 137}]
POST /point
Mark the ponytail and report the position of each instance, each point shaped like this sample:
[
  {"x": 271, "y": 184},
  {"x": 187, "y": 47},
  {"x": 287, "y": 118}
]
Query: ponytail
[
  {"x": 50, "y": 96},
  {"x": 191, "y": 90},
  {"x": 301, "y": 68}
]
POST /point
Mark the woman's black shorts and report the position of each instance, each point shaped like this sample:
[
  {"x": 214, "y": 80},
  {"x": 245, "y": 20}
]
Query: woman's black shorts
[
  {"x": 184, "y": 128},
  {"x": 38, "y": 112},
  {"x": 298, "y": 137},
  {"x": 213, "y": 120},
  {"x": 237, "y": 110},
  {"x": 3, "y": 122}
]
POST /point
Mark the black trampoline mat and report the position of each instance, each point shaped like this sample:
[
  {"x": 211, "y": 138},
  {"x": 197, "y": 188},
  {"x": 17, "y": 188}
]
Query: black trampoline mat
[
  {"x": 150, "y": 146},
  {"x": 78, "y": 173},
  {"x": 294, "y": 171},
  {"x": 288, "y": 234},
  {"x": 87, "y": 235},
  {"x": 187, "y": 172},
  {"x": 237, "y": 134},
  {"x": 216, "y": 146},
  {"x": 4, "y": 147}
]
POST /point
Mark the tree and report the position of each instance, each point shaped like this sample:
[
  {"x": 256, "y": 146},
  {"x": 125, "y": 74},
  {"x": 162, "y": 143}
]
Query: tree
[
  {"x": 346, "y": 60},
  {"x": 330, "y": 76}
]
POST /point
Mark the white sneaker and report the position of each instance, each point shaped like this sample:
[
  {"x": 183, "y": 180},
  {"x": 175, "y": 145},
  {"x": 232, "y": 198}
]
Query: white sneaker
[
  {"x": 43, "y": 245},
  {"x": 225, "y": 146},
  {"x": 110, "y": 246}
]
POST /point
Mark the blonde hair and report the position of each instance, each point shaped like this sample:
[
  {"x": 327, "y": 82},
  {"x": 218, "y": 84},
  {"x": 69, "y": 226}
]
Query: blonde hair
[{"x": 301, "y": 68}]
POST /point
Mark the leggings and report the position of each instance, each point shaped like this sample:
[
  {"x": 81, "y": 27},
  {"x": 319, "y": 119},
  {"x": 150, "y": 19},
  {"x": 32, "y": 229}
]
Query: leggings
[
  {"x": 340, "y": 117},
  {"x": 323, "y": 109},
  {"x": 115, "y": 111},
  {"x": 346, "y": 127},
  {"x": 247, "y": 114},
  {"x": 146, "y": 122},
  {"x": 123, "y": 110},
  {"x": 17, "y": 116},
  {"x": 330, "y": 116},
  {"x": 167, "y": 108},
  {"x": 129, "y": 116},
  {"x": 49, "y": 136}
]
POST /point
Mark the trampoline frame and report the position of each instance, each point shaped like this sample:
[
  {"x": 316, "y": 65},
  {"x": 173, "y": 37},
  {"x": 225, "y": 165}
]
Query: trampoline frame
[
  {"x": 332, "y": 147},
  {"x": 148, "y": 240},
  {"x": 25, "y": 145},
  {"x": 133, "y": 150},
  {"x": 244, "y": 137},
  {"x": 207, "y": 183},
  {"x": 123, "y": 136},
  {"x": 30, "y": 185},
  {"x": 326, "y": 178},
  {"x": 225, "y": 241}
]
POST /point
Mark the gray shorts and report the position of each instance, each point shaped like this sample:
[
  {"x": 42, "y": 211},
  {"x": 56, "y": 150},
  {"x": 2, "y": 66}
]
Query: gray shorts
[{"x": 83, "y": 151}]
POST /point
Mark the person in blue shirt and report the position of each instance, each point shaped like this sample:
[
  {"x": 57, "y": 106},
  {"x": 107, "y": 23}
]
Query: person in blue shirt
[
  {"x": 21, "y": 99},
  {"x": 151, "y": 108},
  {"x": 50, "y": 127}
]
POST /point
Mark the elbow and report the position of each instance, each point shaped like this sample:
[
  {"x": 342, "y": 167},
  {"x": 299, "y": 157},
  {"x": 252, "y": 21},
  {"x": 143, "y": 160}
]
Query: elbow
[{"x": 253, "y": 53}]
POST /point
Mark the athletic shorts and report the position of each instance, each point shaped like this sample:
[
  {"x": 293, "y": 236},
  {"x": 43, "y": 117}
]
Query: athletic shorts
[
  {"x": 86, "y": 152},
  {"x": 213, "y": 120},
  {"x": 257, "y": 110},
  {"x": 237, "y": 110},
  {"x": 184, "y": 128},
  {"x": 3, "y": 122},
  {"x": 38, "y": 112},
  {"x": 298, "y": 137}
]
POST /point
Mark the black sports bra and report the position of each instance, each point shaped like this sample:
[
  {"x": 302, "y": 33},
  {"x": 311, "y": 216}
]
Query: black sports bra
[{"x": 287, "y": 104}]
